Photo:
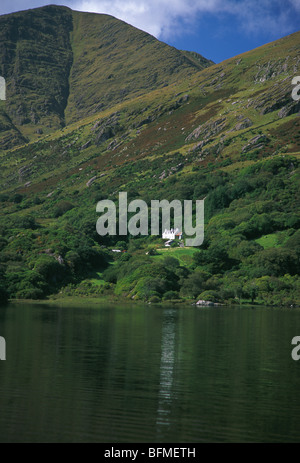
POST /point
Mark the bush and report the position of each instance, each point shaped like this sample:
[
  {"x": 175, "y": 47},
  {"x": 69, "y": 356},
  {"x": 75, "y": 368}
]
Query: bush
[
  {"x": 154, "y": 300},
  {"x": 209, "y": 296},
  {"x": 17, "y": 198},
  {"x": 33, "y": 293},
  {"x": 152, "y": 252},
  {"x": 3, "y": 295},
  {"x": 61, "y": 208},
  {"x": 26, "y": 222},
  {"x": 49, "y": 269},
  {"x": 169, "y": 295}
]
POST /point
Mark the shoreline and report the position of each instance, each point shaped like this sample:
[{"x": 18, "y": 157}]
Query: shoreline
[{"x": 90, "y": 301}]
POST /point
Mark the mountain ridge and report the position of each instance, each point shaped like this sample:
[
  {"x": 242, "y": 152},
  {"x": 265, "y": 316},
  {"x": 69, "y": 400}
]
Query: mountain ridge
[{"x": 94, "y": 61}]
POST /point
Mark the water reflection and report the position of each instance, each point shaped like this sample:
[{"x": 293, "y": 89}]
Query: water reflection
[
  {"x": 167, "y": 365},
  {"x": 118, "y": 374}
]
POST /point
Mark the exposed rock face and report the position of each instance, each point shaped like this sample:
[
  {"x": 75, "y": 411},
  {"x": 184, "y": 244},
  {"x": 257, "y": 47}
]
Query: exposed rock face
[
  {"x": 289, "y": 109},
  {"x": 60, "y": 260},
  {"x": 106, "y": 129},
  {"x": 257, "y": 142},
  {"x": 273, "y": 69},
  {"x": 277, "y": 97},
  {"x": 91, "y": 181},
  {"x": 245, "y": 124},
  {"x": 24, "y": 172},
  {"x": 171, "y": 170},
  {"x": 207, "y": 130},
  {"x": 86, "y": 145}
]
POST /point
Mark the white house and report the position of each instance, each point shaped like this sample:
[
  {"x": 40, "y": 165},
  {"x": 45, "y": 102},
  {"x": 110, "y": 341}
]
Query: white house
[{"x": 172, "y": 234}]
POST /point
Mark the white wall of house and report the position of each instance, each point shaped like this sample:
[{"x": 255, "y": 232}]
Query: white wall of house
[{"x": 172, "y": 234}]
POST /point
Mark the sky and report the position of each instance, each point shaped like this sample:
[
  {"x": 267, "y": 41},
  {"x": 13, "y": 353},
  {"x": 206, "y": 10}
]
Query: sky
[{"x": 217, "y": 29}]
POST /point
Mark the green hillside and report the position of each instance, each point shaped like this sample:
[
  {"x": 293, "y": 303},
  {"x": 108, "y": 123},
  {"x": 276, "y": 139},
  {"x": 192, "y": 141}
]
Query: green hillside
[
  {"x": 228, "y": 133},
  {"x": 61, "y": 66}
]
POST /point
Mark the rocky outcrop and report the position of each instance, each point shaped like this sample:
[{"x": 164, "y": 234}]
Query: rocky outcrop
[
  {"x": 207, "y": 304},
  {"x": 107, "y": 129},
  {"x": 207, "y": 130},
  {"x": 172, "y": 170},
  {"x": 276, "y": 98},
  {"x": 255, "y": 143},
  {"x": 86, "y": 145},
  {"x": 272, "y": 69},
  {"x": 24, "y": 172},
  {"x": 244, "y": 124},
  {"x": 91, "y": 181}
]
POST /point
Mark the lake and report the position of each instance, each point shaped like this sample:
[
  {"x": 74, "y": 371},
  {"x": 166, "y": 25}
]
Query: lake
[{"x": 118, "y": 374}]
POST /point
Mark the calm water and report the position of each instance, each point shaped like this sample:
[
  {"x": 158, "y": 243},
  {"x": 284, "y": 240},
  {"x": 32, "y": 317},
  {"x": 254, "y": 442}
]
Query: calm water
[{"x": 149, "y": 374}]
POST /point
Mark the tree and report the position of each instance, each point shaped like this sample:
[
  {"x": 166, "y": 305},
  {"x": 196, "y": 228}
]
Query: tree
[
  {"x": 251, "y": 291},
  {"x": 194, "y": 284},
  {"x": 61, "y": 208},
  {"x": 3, "y": 291}
]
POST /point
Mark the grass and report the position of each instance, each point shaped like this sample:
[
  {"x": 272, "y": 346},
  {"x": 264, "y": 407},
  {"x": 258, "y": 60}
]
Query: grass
[
  {"x": 274, "y": 240},
  {"x": 184, "y": 255}
]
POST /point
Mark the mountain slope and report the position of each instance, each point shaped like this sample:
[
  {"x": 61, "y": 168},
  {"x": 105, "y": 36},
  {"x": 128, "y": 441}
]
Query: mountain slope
[
  {"x": 61, "y": 66},
  {"x": 36, "y": 58},
  {"x": 229, "y": 133}
]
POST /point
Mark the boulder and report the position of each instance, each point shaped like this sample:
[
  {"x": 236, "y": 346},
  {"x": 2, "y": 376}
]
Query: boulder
[
  {"x": 86, "y": 145},
  {"x": 206, "y": 303},
  {"x": 91, "y": 181}
]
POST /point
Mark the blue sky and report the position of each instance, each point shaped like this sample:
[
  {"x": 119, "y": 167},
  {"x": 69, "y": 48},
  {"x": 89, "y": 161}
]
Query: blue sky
[{"x": 218, "y": 29}]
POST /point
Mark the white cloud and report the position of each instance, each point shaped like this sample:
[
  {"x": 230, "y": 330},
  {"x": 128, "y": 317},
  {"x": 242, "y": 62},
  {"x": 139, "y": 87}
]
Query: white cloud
[
  {"x": 167, "y": 18},
  {"x": 162, "y": 18},
  {"x": 296, "y": 4}
]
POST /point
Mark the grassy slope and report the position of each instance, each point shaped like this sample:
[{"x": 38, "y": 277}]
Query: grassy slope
[
  {"x": 114, "y": 61},
  {"x": 36, "y": 59},
  {"x": 156, "y": 129}
]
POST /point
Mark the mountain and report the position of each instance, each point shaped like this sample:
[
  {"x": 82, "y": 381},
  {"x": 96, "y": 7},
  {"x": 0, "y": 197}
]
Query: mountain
[
  {"x": 228, "y": 133},
  {"x": 61, "y": 65}
]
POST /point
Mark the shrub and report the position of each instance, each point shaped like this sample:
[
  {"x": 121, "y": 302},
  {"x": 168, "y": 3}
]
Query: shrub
[
  {"x": 26, "y": 222},
  {"x": 154, "y": 300},
  {"x": 3, "y": 295},
  {"x": 17, "y": 198},
  {"x": 61, "y": 208},
  {"x": 169, "y": 295},
  {"x": 209, "y": 296},
  {"x": 33, "y": 293},
  {"x": 49, "y": 269}
]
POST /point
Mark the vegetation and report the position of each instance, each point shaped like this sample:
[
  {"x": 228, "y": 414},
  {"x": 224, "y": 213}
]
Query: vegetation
[{"x": 228, "y": 133}]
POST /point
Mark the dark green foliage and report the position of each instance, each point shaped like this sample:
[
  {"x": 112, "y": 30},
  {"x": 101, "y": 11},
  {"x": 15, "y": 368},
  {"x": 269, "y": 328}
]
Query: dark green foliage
[
  {"x": 169, "y": 295},
  {"x": 3, "y": 291},
  {"x": 26, "y": 222},
  {"x": 61, "y": 208}
]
